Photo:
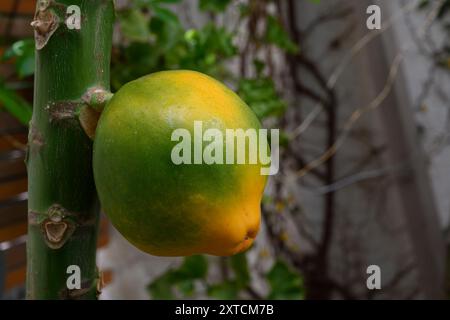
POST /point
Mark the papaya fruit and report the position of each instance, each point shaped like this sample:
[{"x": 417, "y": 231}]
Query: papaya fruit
[{"x": 166, "y": 208}]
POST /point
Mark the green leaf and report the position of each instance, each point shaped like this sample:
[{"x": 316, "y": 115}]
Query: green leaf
[
  {"x": 165, "y": 14},
  {"x": 240, "y": 268},
  {"x": 225, "y": 291},
  {"x": 161, "y": 288},
  {"x": 214, "y": 5},
  {"x": 275, "y": 34},
  {"x": 153, "y": 3},
  {"x": 259, "y": 67},
  {"x": 15, "y": 105},
  {"x": 23, "y": 53},
  {"x": 284, "y": 283},
  {"x": 207, "y": 49},
  {"x": 168, "y": 31},
  {"x": 260, "y": 94},
  {"x": 131, "y": 62},
  {"x": 186, "y": 287},
  {"x": 133, "y": 24},
  {"x": 193, "y": 267},
  {"x": 244, "y": 9},
  {"x": 167, "y": 1},
  {"x": 284, "y": 139}
]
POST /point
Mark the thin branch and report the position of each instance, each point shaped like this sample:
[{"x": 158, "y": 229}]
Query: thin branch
[
  {"x": 336, "y": 74},
  {"x": 360, "y": 176},
  {"x": 335, "y": 13},
  {"x": 302, "y": 230},
  {"x": 354, "y": 117}
]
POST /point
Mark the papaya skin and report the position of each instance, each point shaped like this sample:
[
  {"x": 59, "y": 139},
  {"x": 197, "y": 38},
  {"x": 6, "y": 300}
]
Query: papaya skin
[{"x": 166, "y": 209}]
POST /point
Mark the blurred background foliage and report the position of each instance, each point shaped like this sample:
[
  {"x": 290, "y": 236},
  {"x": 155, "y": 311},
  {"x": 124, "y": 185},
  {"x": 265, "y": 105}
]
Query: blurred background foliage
[
  {"x": 183, "y": 282},
  {"x": 22, "y": 53},
  {"x": 152, "y": 38}
]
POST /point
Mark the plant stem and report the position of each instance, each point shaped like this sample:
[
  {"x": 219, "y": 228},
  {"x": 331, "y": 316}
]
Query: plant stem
[{"x": 63, "y": 207}]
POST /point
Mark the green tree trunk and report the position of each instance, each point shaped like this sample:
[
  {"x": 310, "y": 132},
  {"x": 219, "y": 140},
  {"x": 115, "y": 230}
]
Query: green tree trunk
[{"x": 63, "y": 210}]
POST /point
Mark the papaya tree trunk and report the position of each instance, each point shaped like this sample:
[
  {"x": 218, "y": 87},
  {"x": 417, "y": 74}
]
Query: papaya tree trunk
[{"x": 72, "y": 60}]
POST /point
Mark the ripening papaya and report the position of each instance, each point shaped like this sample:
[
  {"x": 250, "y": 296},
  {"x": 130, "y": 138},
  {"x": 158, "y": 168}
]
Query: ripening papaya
[{"x": 155, "y": 182}]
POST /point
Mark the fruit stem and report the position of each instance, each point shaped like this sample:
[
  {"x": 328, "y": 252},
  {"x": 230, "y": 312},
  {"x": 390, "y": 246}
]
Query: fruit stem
[{"x": 97, "y": 98}]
